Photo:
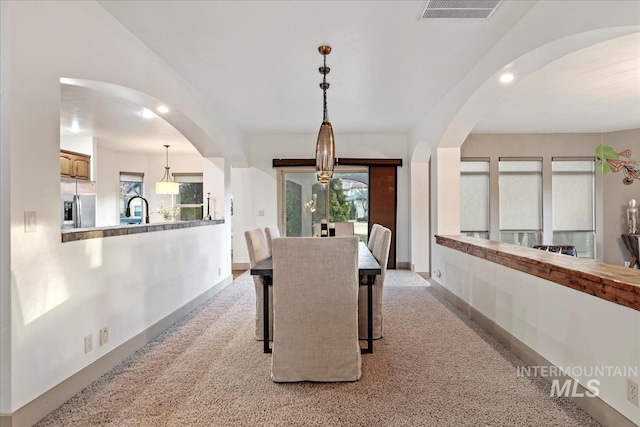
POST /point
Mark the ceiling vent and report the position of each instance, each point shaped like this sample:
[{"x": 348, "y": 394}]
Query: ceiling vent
[{"x": 459, "y": 9}]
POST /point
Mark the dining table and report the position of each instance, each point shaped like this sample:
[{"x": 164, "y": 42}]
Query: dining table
[{"x": 368, "y": 269}]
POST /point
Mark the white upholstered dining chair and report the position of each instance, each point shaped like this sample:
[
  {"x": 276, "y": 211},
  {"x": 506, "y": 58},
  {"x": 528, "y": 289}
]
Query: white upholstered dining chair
[
  {"x": 315, "y": 297},
  {"x": 259, "y": 251},
  {"x": 271, "y": 232},
  {"x": 380, "y": 251},
  {"x": 372, "y": 236}
]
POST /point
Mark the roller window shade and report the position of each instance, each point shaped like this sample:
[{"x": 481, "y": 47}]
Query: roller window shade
[
  {"x": 131, "y": 177},
  {"x": 573, "y": 195},
  {"x": 520, "y": 194},
  {"x": 474, "y": 195},
  {"x": 187, "y": 178}
]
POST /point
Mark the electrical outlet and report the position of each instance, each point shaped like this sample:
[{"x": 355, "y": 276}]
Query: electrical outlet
[
  {"x": 104, "y": 335},
  {"x": 219, "y": 271},
  {"x": 632, "y": 391},
  {"x": 88, "y": 343}
]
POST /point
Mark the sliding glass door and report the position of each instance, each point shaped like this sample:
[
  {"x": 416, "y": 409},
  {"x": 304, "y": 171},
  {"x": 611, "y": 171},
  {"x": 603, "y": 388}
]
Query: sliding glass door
[{"x": 305, "y": 202}]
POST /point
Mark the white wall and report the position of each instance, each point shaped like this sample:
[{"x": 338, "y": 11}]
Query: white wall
[
  {"x": 567, "y": 327},
  {"x": 126, "y": 283},
  {"x": 5, "y": 211},
  {"x": 262, "y": 178},
  {"x": 448, "y": 179},
  {"x": 61, "y": 292},
  {"x": 214, "y": 183},
  {"x": 244, "y": 214},
  {"x": 419, "y": 219}
]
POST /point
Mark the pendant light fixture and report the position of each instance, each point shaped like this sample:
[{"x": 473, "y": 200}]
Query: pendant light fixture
[
  {"x": 165, "y": 185},
  {"x": 326, "y": 146}
]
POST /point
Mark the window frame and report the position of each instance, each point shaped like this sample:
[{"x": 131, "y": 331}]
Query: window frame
[
  {"x": 199, "y": 179},
  {"x": 135, "y": 219}
]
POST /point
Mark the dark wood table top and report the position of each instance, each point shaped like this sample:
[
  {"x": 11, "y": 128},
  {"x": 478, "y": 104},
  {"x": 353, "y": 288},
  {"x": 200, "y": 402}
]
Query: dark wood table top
[{"x": 367, "y": 263}]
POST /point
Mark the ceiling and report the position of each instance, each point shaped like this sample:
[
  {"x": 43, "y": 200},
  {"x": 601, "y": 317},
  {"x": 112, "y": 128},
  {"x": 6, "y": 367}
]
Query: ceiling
[
  {"x": 596, "y": 89},
  {"x": 257, "y": 61},
  {"x": 117, "y": 123}
]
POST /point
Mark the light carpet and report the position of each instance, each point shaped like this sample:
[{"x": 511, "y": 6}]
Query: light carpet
[{"x": 434, "y": 367}]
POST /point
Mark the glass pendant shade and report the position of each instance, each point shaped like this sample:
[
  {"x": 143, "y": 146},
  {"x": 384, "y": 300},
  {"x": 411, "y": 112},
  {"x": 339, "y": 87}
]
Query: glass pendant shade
[
  {"x": 326, "y": 145},
  {"x": 325, "y": 153}
]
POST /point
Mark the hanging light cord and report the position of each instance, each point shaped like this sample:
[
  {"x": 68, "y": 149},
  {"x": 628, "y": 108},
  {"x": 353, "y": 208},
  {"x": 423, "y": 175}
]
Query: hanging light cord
[
  {"x": 166, "y": 168},
  {"x": 325, "y": 86},
  {"x": 324, "y": 70}
]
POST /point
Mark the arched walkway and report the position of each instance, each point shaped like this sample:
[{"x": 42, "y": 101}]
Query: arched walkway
[{"x": 445, "y": 128}]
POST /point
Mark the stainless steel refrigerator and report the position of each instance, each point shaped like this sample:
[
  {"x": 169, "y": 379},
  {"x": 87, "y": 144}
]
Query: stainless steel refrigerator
[{"x": 78, "y": 203}]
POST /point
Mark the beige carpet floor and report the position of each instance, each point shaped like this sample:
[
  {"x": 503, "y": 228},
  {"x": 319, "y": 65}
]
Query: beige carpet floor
[{"x": 434, "y": 367}]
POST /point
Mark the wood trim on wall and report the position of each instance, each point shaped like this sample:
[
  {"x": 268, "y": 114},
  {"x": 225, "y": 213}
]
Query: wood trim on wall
[
  {"x": 282, "y": 163},
  {"x": 340, "y": 161},
  {"x": 368, "y": 162}
]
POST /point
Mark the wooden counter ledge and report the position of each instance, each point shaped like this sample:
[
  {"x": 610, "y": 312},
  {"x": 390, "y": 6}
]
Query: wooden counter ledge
[{"x": 614, "y": 283}]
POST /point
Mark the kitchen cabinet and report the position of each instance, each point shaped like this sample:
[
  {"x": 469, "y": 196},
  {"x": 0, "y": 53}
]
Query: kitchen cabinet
[{"x": 75, "y": 165}]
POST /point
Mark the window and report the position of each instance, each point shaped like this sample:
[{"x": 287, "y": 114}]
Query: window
[
  {"x": 573, "y": 204},
  {"x": 131, "y": 184},
  {"x": 474, "y": 198},
  {"x": 190, "y": 197},
  {"x": 520, "y": 194},
  {"x": 345, "y": 199}
]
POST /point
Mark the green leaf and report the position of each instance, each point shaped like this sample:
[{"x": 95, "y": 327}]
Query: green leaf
[
  {"x": 604, "y": 167},
  {"x": 604, "y": 152}
]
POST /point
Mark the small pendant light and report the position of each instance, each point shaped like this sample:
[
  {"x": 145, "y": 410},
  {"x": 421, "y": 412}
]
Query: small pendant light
[
  {"x": 325, "y": 147},
  {"x": 165, "y": 185}
]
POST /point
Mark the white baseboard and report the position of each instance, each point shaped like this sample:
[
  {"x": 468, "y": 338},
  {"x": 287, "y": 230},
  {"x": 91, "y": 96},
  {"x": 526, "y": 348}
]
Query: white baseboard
[
  {"x": 47, "y": 402},
  {"x": 600, "y": 410}
]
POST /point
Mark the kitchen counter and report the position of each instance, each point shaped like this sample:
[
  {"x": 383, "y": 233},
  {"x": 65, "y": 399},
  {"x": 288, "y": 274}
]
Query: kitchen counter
[{"x": 74, "y": 234}]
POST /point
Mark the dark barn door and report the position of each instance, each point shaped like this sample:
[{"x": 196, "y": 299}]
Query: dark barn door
[{"x": 382, "y": 203}]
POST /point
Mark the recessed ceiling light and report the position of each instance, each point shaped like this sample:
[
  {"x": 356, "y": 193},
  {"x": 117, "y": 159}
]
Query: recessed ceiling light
[
  {"x": 162, "y": 109},
  {"x": 75, "y": 128},
  {"x": 147, "y": 114},
  {"x": 506, "y": 78}
]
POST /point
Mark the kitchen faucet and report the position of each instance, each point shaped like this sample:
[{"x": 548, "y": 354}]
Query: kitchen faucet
[{"x": 146, "y": 204}]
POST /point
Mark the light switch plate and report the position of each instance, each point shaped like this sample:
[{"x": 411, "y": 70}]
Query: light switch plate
[
  {"x": 30, "y": 221},
  {"x": 260, "y": 213}
]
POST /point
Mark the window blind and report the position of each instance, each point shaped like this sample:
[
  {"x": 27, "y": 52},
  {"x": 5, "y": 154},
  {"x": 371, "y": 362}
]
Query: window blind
[
  {"x": 520, "y": 193},
  {"x": 573, "y": 195},
  {"x": 474, "y": 195}
]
